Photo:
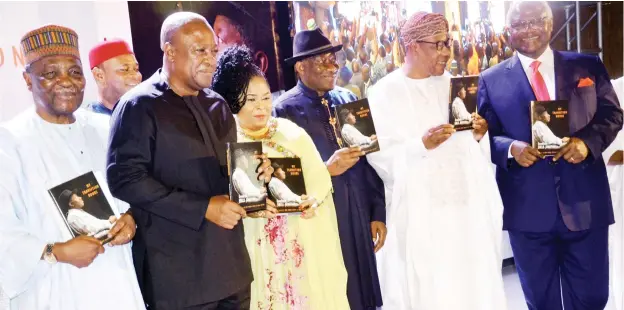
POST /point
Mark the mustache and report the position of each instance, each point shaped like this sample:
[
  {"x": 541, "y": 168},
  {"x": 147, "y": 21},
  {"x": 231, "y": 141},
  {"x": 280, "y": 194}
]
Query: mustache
[{"x": 66, "y": 92}]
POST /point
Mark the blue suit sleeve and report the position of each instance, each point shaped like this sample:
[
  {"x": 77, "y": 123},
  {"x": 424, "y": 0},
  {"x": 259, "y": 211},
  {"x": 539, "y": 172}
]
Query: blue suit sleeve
[
  {"x": 607, "y": 121},
  {"x": 499, "y": 143}
]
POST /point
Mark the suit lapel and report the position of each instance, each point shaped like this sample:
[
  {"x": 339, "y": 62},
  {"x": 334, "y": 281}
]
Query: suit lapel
[
  {"x": 562, "y": 77},
  {"x": 520, "y": 97},
  {"x": 520, "y": 82}
]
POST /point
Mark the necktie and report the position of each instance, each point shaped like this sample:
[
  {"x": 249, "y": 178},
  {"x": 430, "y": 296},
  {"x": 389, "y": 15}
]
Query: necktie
[{"x": 537, "y": 82}]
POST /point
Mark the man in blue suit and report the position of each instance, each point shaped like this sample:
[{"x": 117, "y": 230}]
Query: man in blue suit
[{"x": 557, "y": 209}]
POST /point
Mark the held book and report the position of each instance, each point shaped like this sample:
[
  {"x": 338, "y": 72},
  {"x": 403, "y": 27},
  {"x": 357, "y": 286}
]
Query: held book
[
  {"x": 356, "y": 126},
  {"x": 246, "y": 189},
  {"x": 287, "y": 186},
  {"x": 463, "y": 101},
  {"x": 84, "y": 207},
  {"x": 549, "y": 126}
]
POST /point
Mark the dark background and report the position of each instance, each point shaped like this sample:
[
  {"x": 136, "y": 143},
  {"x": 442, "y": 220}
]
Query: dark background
[
  {"x": 147, "y": 17},
  {"x": 258, "y": 19}
]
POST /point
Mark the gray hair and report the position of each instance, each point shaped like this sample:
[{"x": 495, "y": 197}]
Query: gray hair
[
  {"x": 515, "y": 6},
  {"x": 174, "y": 22}
]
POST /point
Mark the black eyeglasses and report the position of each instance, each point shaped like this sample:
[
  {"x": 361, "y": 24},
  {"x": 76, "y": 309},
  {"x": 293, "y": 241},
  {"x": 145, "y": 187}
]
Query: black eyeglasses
[
  {"x": 525, "y": 24},
  {"x": 440, "y": 44}
]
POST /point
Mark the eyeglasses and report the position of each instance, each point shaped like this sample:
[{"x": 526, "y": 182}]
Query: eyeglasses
[
  {"x": 440, "y": 44},
  {"x": 525, "y": 24},
  {"x": 322, "y": 63}
]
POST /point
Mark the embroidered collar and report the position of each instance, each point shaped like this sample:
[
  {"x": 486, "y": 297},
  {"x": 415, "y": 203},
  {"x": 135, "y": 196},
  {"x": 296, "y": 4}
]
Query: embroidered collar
[{"x": 311, "y": 93}]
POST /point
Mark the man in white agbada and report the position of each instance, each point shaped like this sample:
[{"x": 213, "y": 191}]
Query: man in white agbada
[
  {"x": 444, "y": 209},
  {"x": 41, "y": 266},
  {"x": 615, "y": 171}
]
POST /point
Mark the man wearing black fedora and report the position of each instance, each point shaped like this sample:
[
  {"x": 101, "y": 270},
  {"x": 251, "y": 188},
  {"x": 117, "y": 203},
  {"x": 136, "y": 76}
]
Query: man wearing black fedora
[{"x": 358, "y": 191}]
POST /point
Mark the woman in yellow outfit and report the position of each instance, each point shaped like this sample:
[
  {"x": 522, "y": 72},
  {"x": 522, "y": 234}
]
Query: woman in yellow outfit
[{"x": 296, "y": 258}]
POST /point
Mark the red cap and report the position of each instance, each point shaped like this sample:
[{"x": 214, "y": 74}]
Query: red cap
[{"x": 106, "y": 50}]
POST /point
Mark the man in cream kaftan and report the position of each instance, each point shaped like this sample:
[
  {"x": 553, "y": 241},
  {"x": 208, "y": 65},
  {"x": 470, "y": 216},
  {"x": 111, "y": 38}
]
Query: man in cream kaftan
[
  {"x": 35, "y": 156},
  {"x": 444, "y": 211},
  {"x": 615, "y": 172},
  {"x": 42, "y": 148}
]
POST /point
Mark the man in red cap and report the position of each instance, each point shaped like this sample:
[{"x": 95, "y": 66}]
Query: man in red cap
[{"x": 115, "y": 70}]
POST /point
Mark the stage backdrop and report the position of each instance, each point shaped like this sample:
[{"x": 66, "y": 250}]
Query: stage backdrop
[
  {"x": 252, "y": 20},
  {"x": 93, "y": 21}
]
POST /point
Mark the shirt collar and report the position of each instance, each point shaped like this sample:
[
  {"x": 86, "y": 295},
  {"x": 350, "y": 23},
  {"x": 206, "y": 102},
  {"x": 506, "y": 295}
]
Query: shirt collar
[
  {"x": 309, "y": 92},
  {"x": 547, "y": 59},
  {"x": 99, "y": 107}
]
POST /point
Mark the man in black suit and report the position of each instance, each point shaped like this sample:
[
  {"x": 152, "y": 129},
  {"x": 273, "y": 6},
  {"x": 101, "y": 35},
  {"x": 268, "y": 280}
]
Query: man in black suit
[{"x": 167, "y": 159}]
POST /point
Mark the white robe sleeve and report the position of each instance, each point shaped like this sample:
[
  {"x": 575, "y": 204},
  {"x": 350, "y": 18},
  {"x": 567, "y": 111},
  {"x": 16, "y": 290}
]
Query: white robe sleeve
[
  {"x": 354, "y": 137},
  {"x": 394, "y": 147},
  {"x": 20, "y": 249},
  {"x": 618, "y": 143}
]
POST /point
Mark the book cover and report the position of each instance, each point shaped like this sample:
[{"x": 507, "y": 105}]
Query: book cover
[
  {"x": 463, "y": 101},
  {"x": 287, "y": 185},
  {"x": 84, "y": 207},
  {"x": 245, "y": 187},
  {"x": 356, "y": 125},
  {"x": 549, "y": 125}
]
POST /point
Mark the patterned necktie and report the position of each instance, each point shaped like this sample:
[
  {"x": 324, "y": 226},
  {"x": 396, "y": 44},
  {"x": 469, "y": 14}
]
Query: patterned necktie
[{"x": 537, "y": 82}]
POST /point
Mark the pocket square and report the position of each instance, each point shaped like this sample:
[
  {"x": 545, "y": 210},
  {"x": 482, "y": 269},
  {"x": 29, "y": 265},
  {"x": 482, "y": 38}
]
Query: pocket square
[{"x": 584, "y": 82}]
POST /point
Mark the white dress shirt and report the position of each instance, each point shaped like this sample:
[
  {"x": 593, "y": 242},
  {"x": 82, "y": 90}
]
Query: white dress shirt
[{"x": 546, "y": 69}]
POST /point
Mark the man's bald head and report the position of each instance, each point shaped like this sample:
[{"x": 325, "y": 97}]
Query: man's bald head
[
  {"x": 517, "y": 6},
  {"x": 530, "y": 27},
  {"x": 190, "y": 52},
  {"x": 174, "y": 22}
]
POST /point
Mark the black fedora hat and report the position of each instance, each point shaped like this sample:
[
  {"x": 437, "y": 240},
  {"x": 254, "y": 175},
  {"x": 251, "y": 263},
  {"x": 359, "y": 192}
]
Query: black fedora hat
[
  {"x": 310, "y": 43},
  {"x": 65, "y": 197}
]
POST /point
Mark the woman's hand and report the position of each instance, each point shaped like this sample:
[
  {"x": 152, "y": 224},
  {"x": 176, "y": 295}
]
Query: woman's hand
[{"x": 307, "y": 207}]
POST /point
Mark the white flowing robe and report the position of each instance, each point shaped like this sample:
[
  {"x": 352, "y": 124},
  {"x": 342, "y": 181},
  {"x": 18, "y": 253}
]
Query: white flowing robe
[
  {"x": 444, "y": 211},
  {"x": 35, "y": 156},
  {"x": 616, "y": 231}
]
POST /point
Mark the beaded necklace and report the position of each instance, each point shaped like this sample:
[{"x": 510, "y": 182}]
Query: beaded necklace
[{"x": 265, "y": 135}]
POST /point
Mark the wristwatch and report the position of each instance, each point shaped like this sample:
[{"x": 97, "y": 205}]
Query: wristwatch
[{"x": 48, "y": 256}]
